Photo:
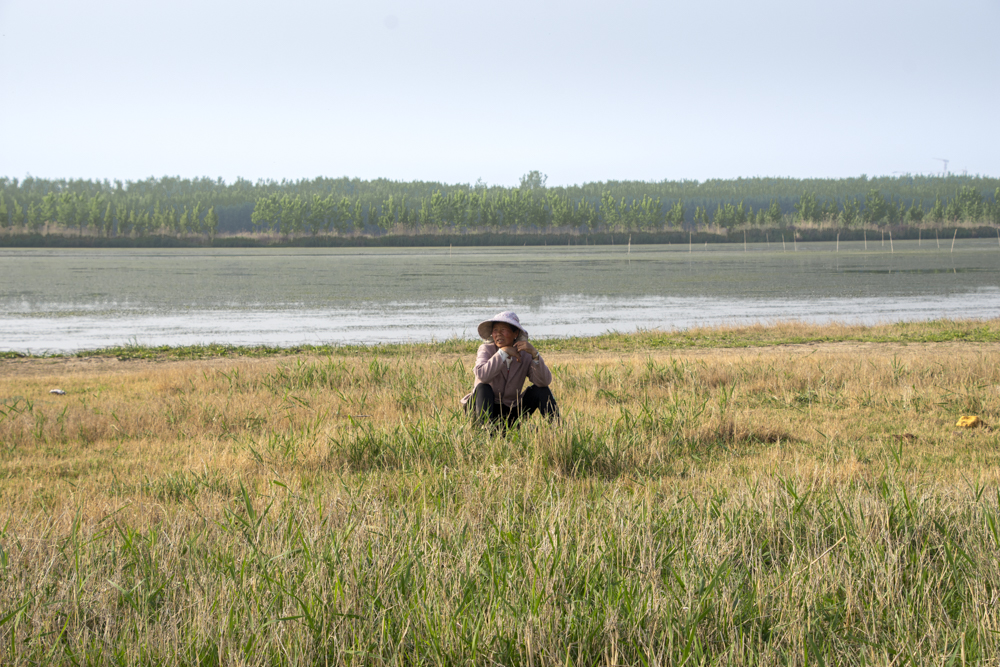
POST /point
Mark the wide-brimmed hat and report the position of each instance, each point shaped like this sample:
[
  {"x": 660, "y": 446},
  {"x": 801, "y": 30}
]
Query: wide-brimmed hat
[{"x": 507, "y": 317}]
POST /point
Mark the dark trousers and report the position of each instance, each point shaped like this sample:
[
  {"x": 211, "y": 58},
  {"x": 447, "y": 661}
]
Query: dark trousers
[{"x": 533, "y": 398}]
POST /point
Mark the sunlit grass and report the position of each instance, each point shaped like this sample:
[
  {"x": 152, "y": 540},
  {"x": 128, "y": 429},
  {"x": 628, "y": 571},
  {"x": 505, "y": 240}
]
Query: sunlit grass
[{"x": 718, "y": 496}]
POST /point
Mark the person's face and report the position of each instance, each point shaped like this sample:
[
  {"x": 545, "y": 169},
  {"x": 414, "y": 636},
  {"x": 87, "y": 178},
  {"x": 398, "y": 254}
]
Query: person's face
[{"x": 503, "y": 334}]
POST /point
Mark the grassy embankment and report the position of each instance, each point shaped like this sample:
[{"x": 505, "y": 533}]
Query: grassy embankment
[{"x": 714, "y": 496}]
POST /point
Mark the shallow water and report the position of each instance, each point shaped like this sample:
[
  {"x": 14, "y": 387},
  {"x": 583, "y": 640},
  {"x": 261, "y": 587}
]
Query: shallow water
[{"x": 65, "y": 300}]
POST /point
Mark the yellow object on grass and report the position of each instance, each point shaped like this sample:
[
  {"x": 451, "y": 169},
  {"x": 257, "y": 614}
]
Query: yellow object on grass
[{"x": 969, "y": 421}]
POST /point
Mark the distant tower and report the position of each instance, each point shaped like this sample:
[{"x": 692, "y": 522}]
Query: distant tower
[{"x": 945, "y": 164}]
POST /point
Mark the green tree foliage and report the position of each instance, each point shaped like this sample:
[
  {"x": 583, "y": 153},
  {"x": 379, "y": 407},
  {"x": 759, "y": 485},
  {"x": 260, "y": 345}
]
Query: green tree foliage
[
  {"x": 970, "y": 205},
  {"x": 699, "y": 216},
  {"x": 343, "y": 205},
  {"x": 774, "y": 215},
  {"x": 109, "y": 220},
  {"x": 50, "y": 206},
  {"x": 66, "y": 209},
  {"x": 184, "y": 222},
  {"x": 937, "y": 211},
  {"x": 94, "y": 213},
  {"x": 194, "y": 224},
  {"x": 953, "y": 211},
  {"x": 675, "y": 216},
  {"x": 17, "y": 213},
  {"x": 35, "y": 220},
  {"x": 808, "y": 209},
  {"x": 849, "y": 214},
  {"x": 211, "y": 222},
  {"x": 876, "y": 208},
  {"x": 121, "y": 217},
  {"x": 533, "y": 180},
  {"x": 318, "y": 214}
]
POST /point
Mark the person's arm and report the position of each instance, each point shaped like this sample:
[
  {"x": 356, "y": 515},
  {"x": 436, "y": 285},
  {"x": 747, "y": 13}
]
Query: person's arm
[
  {"x": 538, "y": 372},
  {"x": 488, "y": 362}
]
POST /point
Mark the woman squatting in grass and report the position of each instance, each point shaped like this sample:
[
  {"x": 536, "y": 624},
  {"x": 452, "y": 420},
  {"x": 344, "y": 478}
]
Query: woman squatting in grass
[{"x": 502, "y": 364}]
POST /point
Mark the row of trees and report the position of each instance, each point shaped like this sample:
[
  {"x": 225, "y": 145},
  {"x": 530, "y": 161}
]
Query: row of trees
[
  {"x": 517, "y": 210},
  {"x": 967, "y": 205},
  {"x": 344, "y": 206},
  {"x": 104, "y": 217}
]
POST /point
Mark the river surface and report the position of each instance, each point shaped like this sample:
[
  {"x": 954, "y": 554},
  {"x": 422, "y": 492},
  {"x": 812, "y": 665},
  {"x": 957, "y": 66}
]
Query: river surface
[{"x": 63, "y": 300}]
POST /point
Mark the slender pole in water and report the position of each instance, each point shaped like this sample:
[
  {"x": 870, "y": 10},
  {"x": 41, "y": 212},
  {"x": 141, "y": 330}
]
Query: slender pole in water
[
  {"x": 998, "y": 234},
  {"x": 629, "y": 245},
  {"x": 891, "y": 249},
  {"x": 768, "y": 237},
  {"x": 920, "y": 234},
  {"x": 953, "y": 240},
  {"x": 795, "y": 243},
  {"x": 838, "y": 241},
  {"x": 937, "y": 239},
  {"x": 866, "y": 239},
  {"x": 689, "y": 243},
  {"x": 744, "y": 240},
  {"x": 782, "y": 243},
  {"x": 883, "y": 237},
  {"x": 449, "y": 250}
]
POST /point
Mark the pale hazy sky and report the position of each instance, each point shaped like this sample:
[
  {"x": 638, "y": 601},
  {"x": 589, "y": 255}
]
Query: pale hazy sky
[{"x": 455, "y": 91}]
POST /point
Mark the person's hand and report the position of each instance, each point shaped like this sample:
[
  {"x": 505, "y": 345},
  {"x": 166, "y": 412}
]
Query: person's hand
[
  {"x": 510, "y": 351},
  {"x": 525, "y": 346}
]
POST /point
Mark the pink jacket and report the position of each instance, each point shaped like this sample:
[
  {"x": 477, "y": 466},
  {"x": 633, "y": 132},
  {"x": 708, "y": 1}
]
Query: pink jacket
[{"x": 492, "y": 369}]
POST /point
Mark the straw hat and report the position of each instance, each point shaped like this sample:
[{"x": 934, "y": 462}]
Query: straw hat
[{"x": 507, "y": 317}]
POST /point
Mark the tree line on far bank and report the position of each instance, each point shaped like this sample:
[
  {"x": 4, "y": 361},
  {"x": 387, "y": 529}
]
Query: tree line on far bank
[{"x": 176, "y": 207}]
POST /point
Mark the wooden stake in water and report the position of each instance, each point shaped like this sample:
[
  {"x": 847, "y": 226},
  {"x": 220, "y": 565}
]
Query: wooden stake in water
[
  {"x": 838, "y": 241},
  {"x": 920, "y": 234},
  {"x": 866, "y": 239},
  {"x": 937, "y": 239},
  {"x": 953, "y": 240},
  {"x": 782, "y": 243},
  {"x": 768, "y": 237},
  {"x": 891, "y": 250},
  {"x": 795, "y": 243},
  {"x": 883, "y": 238},
  {"x": 449, "y": 250},
  {"x": 689, "y": 243},
  {"x": 629, "y": 245},
  {"x": 744, "y": 240}
]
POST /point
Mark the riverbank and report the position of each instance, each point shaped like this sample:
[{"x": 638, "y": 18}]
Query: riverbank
[
  {"x": 737, "y": 495},
  {"x": 755, "y": 335},
  {"x": 700, "y": 236}
]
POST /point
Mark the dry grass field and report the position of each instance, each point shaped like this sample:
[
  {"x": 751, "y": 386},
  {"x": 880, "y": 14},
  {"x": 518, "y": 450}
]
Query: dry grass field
[{"x": 717, "y": 503}]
